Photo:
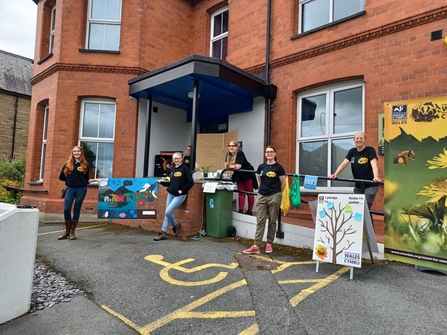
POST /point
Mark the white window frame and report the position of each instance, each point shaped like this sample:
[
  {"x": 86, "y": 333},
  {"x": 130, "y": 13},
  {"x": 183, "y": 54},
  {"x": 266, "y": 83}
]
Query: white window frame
[
  {"x": 331, "y": 14},
  {"x": 108, "y": 22},
  {"x": 52, "y": 29},
  {"x": 98, "y": 139},
  {"x": 328, "y": 135},
  {"x": 220, "y": 36},
  {"x": 44, "y": 142}
]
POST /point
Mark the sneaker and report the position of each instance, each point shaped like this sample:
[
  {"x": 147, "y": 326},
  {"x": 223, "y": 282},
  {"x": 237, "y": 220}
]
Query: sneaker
[
  {"x": 176, "y": 229},
  {"x": 252, "y": 250},
  {"x": 248, "y": 212},
  {"x": 241, "y": 211},
  {"x": 268, "y": 248},
  {"x": 160, "y": 236}
]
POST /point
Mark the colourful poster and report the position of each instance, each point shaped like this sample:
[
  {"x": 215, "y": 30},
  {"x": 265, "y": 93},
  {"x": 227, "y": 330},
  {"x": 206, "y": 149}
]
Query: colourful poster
[
  {"x": 127, "y": 198},
  {"x": 415, "y": 189},
  {"x": 339, "y": 229}
]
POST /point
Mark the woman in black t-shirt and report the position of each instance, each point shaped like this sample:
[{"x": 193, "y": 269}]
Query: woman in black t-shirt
[
  {"x": 272, "y": 181},
  {"x": 235, "y": 159},
  {"x": 75, "y": 173}
]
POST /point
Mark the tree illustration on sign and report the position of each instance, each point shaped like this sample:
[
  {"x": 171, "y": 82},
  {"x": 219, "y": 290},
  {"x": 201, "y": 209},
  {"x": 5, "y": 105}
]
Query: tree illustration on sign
[{"x": 335, "y": 229}]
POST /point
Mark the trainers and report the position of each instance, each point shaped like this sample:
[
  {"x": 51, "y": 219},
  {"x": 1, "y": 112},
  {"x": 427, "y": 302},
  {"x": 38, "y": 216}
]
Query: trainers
[
  {"x": 176, "y": 229},
  {"x": 160, "y": 236},
  {"x": 252, "y": 250},
  {"x": 241, "y": 211},
  {"x": 268, "y": 248},
  {"x": 248, "y": 212}
]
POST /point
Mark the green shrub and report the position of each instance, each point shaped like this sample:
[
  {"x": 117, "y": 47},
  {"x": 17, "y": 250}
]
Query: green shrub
[{"x": 12, "y": 173}]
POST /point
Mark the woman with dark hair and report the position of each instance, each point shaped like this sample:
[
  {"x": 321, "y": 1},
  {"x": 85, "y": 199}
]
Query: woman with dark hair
[
  {"x": 272, "y": 181},
  {"x": 235, "y": 159},
  {"x": 75, "y": 173}
]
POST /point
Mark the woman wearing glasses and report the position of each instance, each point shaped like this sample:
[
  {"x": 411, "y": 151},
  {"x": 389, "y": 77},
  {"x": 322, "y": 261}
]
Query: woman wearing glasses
[
  {"x": 272, "y": 180},
  {"x": 235, "y": 159},
  {"x": 178, "y": 186}
]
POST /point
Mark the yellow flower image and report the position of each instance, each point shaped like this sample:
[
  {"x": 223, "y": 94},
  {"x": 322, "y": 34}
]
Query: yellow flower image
[
  {"x": 438, "y": 162},
  {"x": 321, "y": 252},
  {"x": 436, "y": 190}
]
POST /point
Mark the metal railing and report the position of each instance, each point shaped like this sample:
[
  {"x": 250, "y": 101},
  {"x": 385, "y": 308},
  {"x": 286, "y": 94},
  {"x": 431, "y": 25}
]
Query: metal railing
[{"x": 279, "y": 232}]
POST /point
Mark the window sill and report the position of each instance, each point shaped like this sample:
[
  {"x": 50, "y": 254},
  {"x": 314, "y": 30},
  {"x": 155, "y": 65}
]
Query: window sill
[
  {"x": 35, "y": 183},
  {"x": 45, "y": 58},
  {"x": 113, "y": 52},
  {"x": 328, "y": 25}
]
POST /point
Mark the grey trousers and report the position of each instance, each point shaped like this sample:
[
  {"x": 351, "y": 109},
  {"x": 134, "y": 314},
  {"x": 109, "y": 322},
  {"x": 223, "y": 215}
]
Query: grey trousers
[{"x": 267, "y": 206}]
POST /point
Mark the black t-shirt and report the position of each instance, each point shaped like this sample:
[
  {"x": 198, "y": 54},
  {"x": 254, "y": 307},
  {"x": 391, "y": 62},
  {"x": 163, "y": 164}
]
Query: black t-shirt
[
  {"x": 181, "y": 179},
  {"x": 361, "y": 164},
  {"x": 187, "y": 160},
  {"x": 270, "y": 182},
  {"x": 245, "y": 165}
]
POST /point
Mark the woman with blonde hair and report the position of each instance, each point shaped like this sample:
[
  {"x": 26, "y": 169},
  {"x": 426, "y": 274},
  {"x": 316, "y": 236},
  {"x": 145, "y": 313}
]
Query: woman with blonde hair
[
  {"x": 235, "y": 159},
  {"x": 75, "y": 173}
]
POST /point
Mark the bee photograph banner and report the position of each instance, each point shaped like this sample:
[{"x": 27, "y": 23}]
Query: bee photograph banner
[
  {"x": 415, "y": 185},
  {"x": 339, "y": 229}
]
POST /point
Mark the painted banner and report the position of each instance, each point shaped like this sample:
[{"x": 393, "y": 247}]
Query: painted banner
[
  {"x": 415, "y": 189},
  {"x": 339, "y": 229},
  {"x": 127, "y": 198}
]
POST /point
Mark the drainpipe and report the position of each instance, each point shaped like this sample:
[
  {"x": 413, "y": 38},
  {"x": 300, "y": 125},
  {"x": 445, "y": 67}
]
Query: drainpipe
[
  {"x": 14, "y": 127},
  {"x": 147, "y": 136},
  {"x": 267, "y": 70},
  {"x": 279, "y": 232}
]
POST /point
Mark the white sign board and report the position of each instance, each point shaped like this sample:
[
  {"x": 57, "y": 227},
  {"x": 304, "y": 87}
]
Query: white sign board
[{"x": 339, "y": 229}]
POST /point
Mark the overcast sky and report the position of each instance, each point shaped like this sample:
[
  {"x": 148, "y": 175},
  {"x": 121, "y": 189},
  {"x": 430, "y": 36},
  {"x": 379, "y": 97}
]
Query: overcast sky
[{"x": 18, "y": 27}]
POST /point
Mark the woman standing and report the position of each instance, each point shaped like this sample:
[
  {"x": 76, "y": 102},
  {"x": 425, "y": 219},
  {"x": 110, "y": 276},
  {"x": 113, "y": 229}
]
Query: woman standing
[
  {"x": 75, "y": 173},
  {"x": 272, "y": 180},
  {"x": 235, "y": 159},
  {"x": 180, "y": 183}
]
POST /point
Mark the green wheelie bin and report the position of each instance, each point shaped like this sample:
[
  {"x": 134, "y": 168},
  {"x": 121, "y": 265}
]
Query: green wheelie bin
[{"x": 218, "y": 213}]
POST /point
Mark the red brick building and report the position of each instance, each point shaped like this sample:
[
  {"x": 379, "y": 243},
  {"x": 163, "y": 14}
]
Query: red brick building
[{"x": 302, "y": 75}]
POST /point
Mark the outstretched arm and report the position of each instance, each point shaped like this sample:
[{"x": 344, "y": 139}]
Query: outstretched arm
[
  {"x": 340, "y": 168},
  {"x": 375, "y": 170}
]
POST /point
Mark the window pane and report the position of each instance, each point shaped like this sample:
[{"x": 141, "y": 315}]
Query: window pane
[
  {"x": 315, "y": 14},
  {"x": 225, "y": 22},
  {"x": 112, "y": 37},
  {"x": 91, "y": 119},
  {"x": 107, "y": 121},
  {"x": 217, "y": 46},
  {"x": 345, "y": 8},
  {"x": 100, "y": 158},
  {"x": 96, "y": 36},
  {"x": 339, "y": 150},
  {"x": 224, "y": 48},
  {"x": 348, "y": 110},
  {"x": 313, "y": 116},
  {"x": 113, "y": 10},
  {"x": 99, "y": 9},
  {"x": 313, "y": 160},
  {"x": 45, "y": 124},
  {"x": 42, "y": 161},
  {"x": 217, "y": 25}
]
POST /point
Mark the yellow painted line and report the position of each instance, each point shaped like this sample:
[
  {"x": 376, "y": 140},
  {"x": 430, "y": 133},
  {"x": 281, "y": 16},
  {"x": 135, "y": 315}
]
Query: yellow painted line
[
  {"x": 298, "y": 281},
  {"x": 122, "y": 318},
  {"x": 252, "y": 330},
  {"x": 62, "y": 231},
  {"x": 284, "y": 265},
  {"x": 164, "y": 273},
  {"x": 188, "y": 308},
  {"x": 214, "y": 314},
  {"x": 323, "y": 282}
]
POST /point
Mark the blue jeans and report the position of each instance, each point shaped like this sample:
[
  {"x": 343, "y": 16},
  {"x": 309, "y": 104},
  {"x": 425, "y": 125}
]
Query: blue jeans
[
  {"x": 171, "y": 205},
  {"x": 76, "y": 194}
]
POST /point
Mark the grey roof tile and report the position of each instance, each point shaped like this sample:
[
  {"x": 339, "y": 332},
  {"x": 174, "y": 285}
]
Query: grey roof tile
[{"x": 15, "y": 73}]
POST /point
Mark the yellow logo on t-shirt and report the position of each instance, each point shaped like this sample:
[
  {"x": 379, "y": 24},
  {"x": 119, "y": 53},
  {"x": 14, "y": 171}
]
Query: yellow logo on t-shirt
[
  {"x": 363, "y": 160},
  {"x": 271, "y": 174},
  {"x": 177, "y": 174},
  {"x": 186, "y": 161},
  {"x": 80, "y": 169}
]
